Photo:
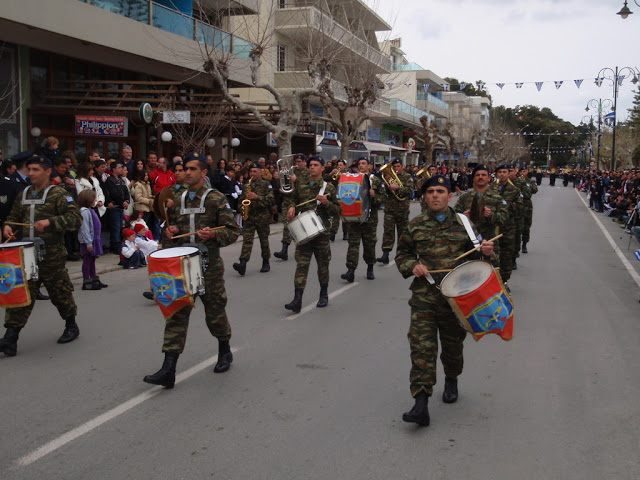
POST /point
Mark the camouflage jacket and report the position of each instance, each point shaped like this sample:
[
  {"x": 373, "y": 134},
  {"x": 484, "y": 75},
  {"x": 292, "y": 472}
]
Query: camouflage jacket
[
  {"x": 304, "y": 190},
  {"x": 59, "y": 208},
  {"x": 434, "y": 244},
  {"x": 487, "y": 226},
  {"x": 511, "y": 194},
  {"x": 379, "y": 200},
  {"x": 524, "y": 185},
  {"x": 392, "y": 203},
  {"x": 263, "y": 189},
  {"x": 217, "y": 213}
]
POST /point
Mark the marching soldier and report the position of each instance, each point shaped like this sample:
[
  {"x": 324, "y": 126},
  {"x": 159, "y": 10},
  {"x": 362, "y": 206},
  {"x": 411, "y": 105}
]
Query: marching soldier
[
  {"x": 528, "y": 188},
  {"x": 396, "y": 209},
  {"x": 511, "y": 195},
  {"x": 197, "y": 197},
  {"x": 431, "y": 242},
  {"x": 365, "y": 231},
  {"x": 51, "y": 212},
  {"x": 485, "y": 208},
  {"x": 326, "y": 206},
  {"x": 260, "y": 193},
  {"x": 520, "y": 216}
]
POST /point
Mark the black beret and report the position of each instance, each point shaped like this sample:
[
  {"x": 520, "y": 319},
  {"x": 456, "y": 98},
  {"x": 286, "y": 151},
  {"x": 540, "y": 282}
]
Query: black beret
[
  {"x": 316, "y": 158},
  {"x": 196, "y": 156},
  {"x": 478, "y": 168},
  {"x": 396, "y": 162},
  {"x": 44, "y": 162},
  {"x": 300, "y": 156},
  {"x": 435, "y": 181},
  {"x": 363, "y": 158},
  {"x": 254, "y": 165},
  {"x": 504, "y": 166}
]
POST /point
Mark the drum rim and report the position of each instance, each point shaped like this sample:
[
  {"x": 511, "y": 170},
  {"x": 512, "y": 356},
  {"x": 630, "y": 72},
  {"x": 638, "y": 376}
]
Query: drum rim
[
  {"x": 488, "y": 266},
  {"x": 161, "y": 253},
  {"x": 21, "y": 243}
]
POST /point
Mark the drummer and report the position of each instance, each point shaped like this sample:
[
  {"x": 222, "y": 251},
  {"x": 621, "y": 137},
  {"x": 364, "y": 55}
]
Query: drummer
[
  {"x": 54, "y": 212},
  {"x": 432, "y": 241},
  {"x": 216, "y": 213},
  {"x": 326, "y": 205}
]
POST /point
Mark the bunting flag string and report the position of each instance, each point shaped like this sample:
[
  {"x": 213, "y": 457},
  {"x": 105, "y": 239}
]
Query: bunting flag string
[
  {"x": 500, "y": 85},
  {"x": 539, "y": 85},
  {"x": 558, "y": 83}
]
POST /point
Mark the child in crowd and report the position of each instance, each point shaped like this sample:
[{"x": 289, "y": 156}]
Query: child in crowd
[
  {"x": 89, "y": 238},
  {"x": 137, "y": 219},
  {"x": 145, "y": 244},
  {"x": 132, "y": 256}
]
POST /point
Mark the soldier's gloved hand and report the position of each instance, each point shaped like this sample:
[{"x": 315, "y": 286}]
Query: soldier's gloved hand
[{"x": 42, "y": 224}]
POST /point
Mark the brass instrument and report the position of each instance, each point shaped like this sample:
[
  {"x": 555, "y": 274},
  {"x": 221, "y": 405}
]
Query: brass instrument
[
  {"x": 246, "y": 203},
  {"x": 476, "y": 211},
  {"x": 423, "y": 172},
  {"x": 391, "y": 178},
  {"x": 285, "y": 170},
  {"x": 340, "y": 171}
]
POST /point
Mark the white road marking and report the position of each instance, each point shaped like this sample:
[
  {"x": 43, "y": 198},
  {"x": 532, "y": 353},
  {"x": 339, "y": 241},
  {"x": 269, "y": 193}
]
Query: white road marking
[
  {"x": 332, "y": 295},
  {"x": 618, "y": 252},
  {"x": 71, "y": 435}
]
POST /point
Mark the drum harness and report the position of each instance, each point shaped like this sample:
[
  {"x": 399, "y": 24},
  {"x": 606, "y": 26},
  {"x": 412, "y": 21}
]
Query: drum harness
[
  {"x": 193, "y": 211},
  {"x": 37, "y": 241}
]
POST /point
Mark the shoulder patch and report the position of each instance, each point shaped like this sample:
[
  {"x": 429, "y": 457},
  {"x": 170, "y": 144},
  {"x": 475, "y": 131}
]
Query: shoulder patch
[
  {"x": 504, "y": 202},
  {"x": 69, "y": 199},
  {"x": 522, "y": 195},
  {"x": 270, "y": 186}
]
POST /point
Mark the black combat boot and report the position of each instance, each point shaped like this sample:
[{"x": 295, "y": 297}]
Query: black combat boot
[
  {"x": 265, "y": 266},
  {"x": 420, "y": 412},
  {"x": 241, "y": 267},
  {"x": 99, "y": 282},
  {"x": 282, "y": 254},
  {"x": 148, "y": 295},
  {"x": 370, "y": 275},
  {"x": 166, "y": 376},
  {"x": 71, "y": 331},
  {"x": 296, "y": 304},
  {"x": 41, "y": 296},
  {"x": 524, "y": 247},
  {"x": 332, "y": 237},
  {"x": 385, "y": 257},
  {"x": 514, "y": 265},
  {"x": 450, "y": 394},
  {"x": 89, "y": 284},
  {"x": 225, "y": 357},
  {"x": 350, "y": 275},
  {"x": 345, "y": 235},
  {"x": 324, "y": 296},
  {"x": 9, "y": 344}
]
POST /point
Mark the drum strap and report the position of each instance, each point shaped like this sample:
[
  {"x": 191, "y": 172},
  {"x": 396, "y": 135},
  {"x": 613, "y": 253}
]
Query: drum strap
[
  {"x": 193, "y": 211},
  {"x": 32, "y": 206},
  {"x": 322, "y": 189},
  {"x": 467, "y": 226}
]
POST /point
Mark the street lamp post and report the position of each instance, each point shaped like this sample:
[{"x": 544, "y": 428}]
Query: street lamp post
[
  {"x": 600, "y": 105},
  {"x": 624, "y": 11},
  {"x": 618, "y": 77}
]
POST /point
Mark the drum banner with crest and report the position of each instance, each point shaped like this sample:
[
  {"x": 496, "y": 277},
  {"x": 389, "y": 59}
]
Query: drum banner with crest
[
  {"x": 487, "y": 311},
  {"x": 350, "y": 195},
  {"x": 168, "y": 284},
  {"x": 14, "y": 289}
]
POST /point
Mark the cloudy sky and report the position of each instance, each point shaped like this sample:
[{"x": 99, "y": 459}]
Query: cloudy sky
[{"x": 509, "y": 41}]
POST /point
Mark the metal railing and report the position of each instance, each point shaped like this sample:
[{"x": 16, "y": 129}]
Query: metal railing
[{"x": 404, "y": 107}]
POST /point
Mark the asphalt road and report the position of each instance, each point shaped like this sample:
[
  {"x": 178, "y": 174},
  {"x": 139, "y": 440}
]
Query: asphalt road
[{"x": 320, "y": 395}]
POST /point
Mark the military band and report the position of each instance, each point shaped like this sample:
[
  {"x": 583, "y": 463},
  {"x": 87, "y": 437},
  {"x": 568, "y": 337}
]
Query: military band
[{"x": 396, "y": 209}]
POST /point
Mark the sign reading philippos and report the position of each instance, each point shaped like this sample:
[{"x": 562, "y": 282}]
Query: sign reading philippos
[{"x": 101, "y": 126}]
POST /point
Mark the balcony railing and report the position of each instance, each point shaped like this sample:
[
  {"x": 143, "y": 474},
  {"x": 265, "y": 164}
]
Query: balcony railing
[
  {"x": 169, "y": 20},
  {"x": 433, "y": 100},
  {"x": 404, "y": 107}
]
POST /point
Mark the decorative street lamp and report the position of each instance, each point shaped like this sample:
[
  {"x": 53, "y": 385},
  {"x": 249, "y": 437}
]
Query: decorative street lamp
[
  {"x": 624, "y": 11},
  {"x": 600, "y": 105},
  {"x": 616, "y": 81}
]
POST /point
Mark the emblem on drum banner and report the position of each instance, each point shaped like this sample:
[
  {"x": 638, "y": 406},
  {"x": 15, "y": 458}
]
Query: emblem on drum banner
[
  {"x": 492, "y": 315},
  {"x": 168, "y": 285},
  {"x": 349, "y": 193},
  {"x": 14, "y": 291}
]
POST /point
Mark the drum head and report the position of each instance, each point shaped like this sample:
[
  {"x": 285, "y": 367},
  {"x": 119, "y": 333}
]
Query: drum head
[
  {"x": 465, "y": 278},
  {"x": 175, "y": 252},
  {"x": 16, "y": 244}
]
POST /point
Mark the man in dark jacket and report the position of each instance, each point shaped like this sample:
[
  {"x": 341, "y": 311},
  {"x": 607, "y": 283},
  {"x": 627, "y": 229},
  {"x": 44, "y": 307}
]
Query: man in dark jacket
[{"x": 118, "y": 200}]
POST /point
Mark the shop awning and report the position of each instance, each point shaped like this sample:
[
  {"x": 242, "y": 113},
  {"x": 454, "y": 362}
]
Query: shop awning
[{"x": 382, "y": 147}]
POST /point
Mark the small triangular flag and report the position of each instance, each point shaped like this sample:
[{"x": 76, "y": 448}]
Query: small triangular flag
[
  {"x": 539, "y": 85},
  {"x": 500, "y": 85},
  {"x": 558, "y": 83},
  {"x": 519, "y": 85},
  {"x": 578, "y": 83},
  {"x": 389, "y": 85},
  {"x": 599, "y": 81}
]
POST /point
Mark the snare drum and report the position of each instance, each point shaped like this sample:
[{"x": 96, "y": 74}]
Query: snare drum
[
  {"x": 305, "y": 227},
  {"x": 477, "y": 296},
  {"x": 192, "y": 272},
  {"x": 31, "y": 255},
  {"x": 353, "y": 195}
]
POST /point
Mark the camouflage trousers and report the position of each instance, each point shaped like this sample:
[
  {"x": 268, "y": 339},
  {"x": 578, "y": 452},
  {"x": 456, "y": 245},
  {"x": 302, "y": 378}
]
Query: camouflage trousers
[
  {"x": 286, "y": 236},
  {"x": 259, "y": 223},
  {"x": 528, "y": 221},
  {"x": 320, "y": 247},
  {"x": 365, "y": 233},
  {"x": 55, "y": 277},
  {"x": 394, "y": 221},
  {"x": 214, "y": 301},
  {"x": 517, "y": 242},
  {"x": 335, "y": 224},
  {"x": 507, "y": 250},
  {"x": 431, "y": 316}
]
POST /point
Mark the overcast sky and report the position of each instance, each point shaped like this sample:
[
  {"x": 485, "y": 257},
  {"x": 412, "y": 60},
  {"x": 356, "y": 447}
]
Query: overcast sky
[{"x": 508, "y": 41}]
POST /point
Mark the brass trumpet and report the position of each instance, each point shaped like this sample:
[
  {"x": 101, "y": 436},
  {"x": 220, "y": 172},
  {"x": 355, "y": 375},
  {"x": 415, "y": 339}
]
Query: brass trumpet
[
  {"x": 391, "y": 178},
  {"x": 246, "y": 203},
  {"x": 340, "y": 171},
  {"x": 424, "y": 173}
]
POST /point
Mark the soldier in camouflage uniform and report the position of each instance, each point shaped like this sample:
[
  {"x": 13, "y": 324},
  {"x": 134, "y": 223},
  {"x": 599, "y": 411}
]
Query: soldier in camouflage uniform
[
  {"x": 528, "y": 205},
  {"x": 261, "y": 198},
  {"x": 326, "y": 207},
  {"x": 494, "y": 212},
  {"x": 396, "y": 209},
  {"x": 430, "y": 242},
  {"x": 333, "y": 177},
  {"x": 521, "y": 211},
  {"x": 217, "y": 213},
  {"x": 365, "y": 231},
  {"x": 300, "y": 172},
  {"x": 511, "y": 195},
  {"x": 54, "y": 213}
]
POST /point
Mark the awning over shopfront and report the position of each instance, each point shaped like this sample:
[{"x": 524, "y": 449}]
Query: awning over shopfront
[{"x": 384, "y": 148}]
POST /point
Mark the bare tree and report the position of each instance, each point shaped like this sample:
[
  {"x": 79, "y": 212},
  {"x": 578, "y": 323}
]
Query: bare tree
[
  {"x": 429, "y": 137},
  {"x": 9, "y": 105}
]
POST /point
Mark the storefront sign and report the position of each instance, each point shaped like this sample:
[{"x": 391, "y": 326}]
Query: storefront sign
[
  {"x": 176, "y": 116},
  {"x": 102, "y": 126}
]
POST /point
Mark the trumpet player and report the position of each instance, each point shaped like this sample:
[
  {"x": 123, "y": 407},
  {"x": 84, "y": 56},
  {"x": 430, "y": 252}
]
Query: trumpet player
[
  {"x": 255, "y": 201},
  {"x": 396, "y": 209}
]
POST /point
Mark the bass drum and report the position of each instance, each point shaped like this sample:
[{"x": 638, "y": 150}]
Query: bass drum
[{"x": 353, "y": 195}]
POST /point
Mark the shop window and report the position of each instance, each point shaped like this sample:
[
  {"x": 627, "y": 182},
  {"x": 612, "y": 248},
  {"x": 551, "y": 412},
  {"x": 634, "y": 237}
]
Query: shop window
[
  {"x": 113, "y": 150},
  {"x": 39, "y": 67}
]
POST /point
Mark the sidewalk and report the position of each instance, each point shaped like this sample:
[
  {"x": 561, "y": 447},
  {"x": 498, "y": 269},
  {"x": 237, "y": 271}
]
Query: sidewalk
[{"x": 109, "y": 262}]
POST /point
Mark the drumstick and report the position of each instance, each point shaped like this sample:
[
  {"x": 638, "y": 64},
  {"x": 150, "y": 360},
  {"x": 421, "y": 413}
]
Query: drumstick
[
  {"x": 476, "y": 248},
  {"x": 166, "y": 215},
  {"x": 193, "y": 233},
  {"x": 308, "y": 201},
  {"x": 9, "y": 238},
  {"x": 21, "y": 224}
]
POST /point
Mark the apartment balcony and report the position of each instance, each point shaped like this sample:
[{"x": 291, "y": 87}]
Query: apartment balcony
[
  {"x": 433, "y": 105},
  {"x": 295, "y": 22}
]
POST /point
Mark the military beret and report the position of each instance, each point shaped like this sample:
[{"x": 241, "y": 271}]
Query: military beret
[
  {"x": 435, "y": 181},
  {"x": 316, "y": 158},
  {"x": 504, "y": 166},
  {"x": 396, "y": 162},
  {"x": 300, "y": 156},
  {"x": 254, "y": 165},
  {"x": 44, "y": 162},
  {"x": 479, "y": 167},
  {"x": 362, "y": 158},
  {"x": 189, "y": 157}
]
